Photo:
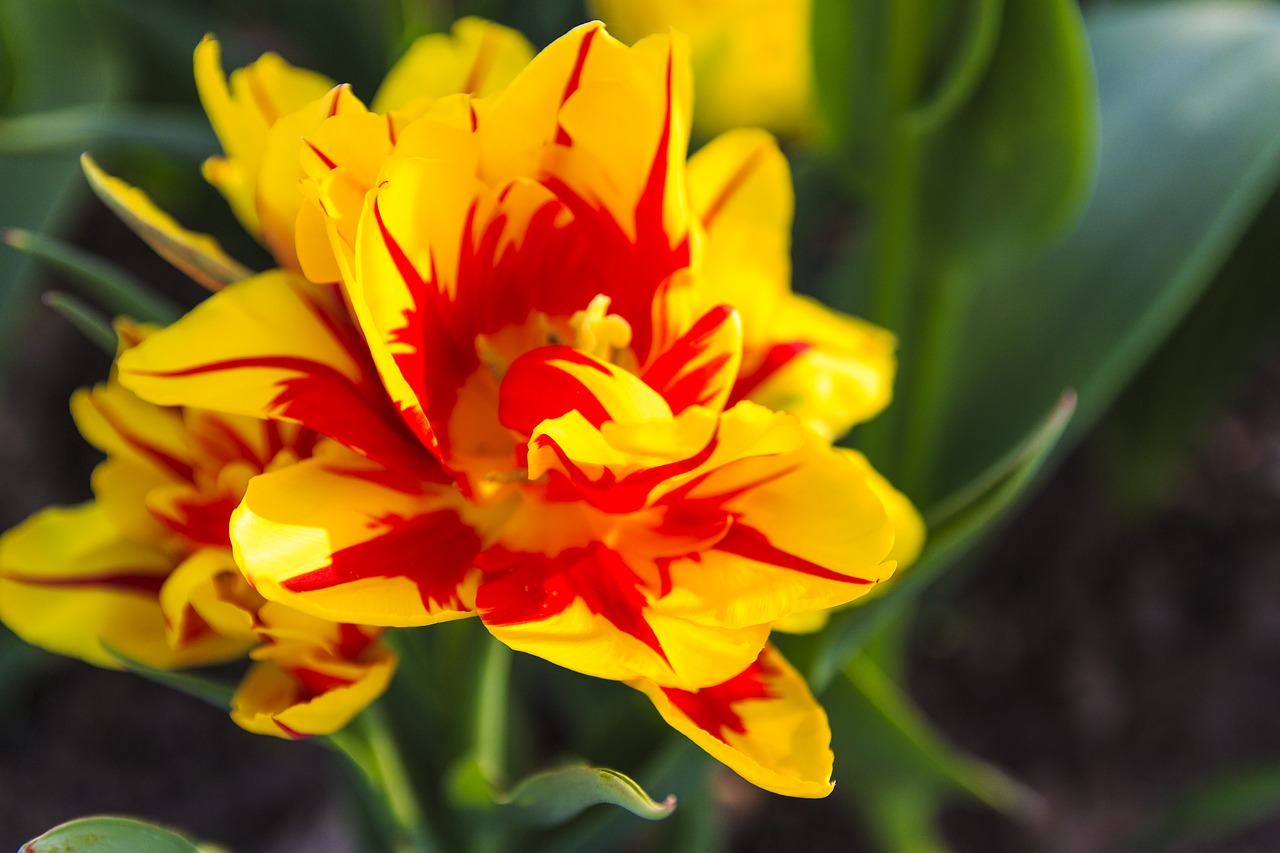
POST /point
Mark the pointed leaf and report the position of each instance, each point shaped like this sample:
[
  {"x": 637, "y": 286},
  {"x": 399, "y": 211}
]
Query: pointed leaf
[
  {"x": 70, "y": 130},
  {"x": 111, "y": 835},
  {"x": 119, "y": 290},
  {"x": 954, "y": 527},
  {"x": 216, "y": 693},
  {"x": 88, "y": 321}
]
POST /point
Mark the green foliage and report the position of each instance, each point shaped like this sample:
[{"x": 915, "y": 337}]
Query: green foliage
[
  {"x": 1216, "y": 809},
  {"x": 112, "y": 835}
]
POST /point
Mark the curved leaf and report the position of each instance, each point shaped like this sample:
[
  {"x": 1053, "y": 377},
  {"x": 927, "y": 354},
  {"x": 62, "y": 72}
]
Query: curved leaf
[
  {"x": 1189, "y": 153},
  {"x": 216, "y": 693},
  {"x": 111, "y": 835},
  {"x": 554, "y": 796}
]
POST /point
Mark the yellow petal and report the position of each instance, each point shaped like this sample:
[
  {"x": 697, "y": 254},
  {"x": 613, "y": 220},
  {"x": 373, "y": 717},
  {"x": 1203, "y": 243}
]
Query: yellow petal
[
  {"x": 478, "y": 58},
  {"x": 274, "y": 346},
  {"x": 70, "y": 583},
  {"x": 339, "y": 537},
  {"x": 273, "y": 700},
  {"x": 751, "y": 58},
  {"x": 763, "y": 723},
  {"x": 206, "y": 593},
  {"x": 198, "y": 255},
  {"x": 242, "y": 111}
]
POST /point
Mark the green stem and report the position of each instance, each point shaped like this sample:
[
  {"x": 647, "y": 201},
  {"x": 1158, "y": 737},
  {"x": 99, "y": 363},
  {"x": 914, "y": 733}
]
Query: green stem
[
  {"x": 371, "y": 746},
  {"x": 491, "y": 714}
]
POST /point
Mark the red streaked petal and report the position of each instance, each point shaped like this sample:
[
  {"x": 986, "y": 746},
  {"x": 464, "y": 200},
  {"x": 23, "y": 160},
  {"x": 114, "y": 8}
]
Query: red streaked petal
[
  {"x": 274, "y": 346},
  {"x": 701, "y": 367},
  {"x": 763, "y": 723},
  {"x": 343, "y": 538}
]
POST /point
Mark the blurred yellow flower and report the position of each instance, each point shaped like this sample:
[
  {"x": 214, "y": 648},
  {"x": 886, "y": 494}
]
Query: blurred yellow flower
[{"x": 751, "y": 58}]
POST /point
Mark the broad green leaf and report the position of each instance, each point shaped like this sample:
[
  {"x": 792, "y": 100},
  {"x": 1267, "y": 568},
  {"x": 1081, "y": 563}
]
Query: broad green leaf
[
  {"x": 1149, "y": 436},
  {"x": 954, "y": 526},
  {"x": 554, "y": 796},
  {"x": 216, "y": 693},
  {"x": 1215, "y": 809},
  {"x": 119, "y": 290},
  {"x": 111, "y": 835},
  {"x": 90, "y": 322},
  {"x": 897, "y": 770},
  {"x": 1189, "y": 152}
]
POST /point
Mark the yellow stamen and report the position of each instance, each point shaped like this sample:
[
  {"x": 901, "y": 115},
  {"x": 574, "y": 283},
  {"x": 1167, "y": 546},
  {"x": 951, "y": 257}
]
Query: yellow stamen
[{"x": 599, "y": 333}]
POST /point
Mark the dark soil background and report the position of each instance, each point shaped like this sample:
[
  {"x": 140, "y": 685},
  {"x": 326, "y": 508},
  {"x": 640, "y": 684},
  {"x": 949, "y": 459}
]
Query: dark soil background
[{"x": 1110, "y": 662}]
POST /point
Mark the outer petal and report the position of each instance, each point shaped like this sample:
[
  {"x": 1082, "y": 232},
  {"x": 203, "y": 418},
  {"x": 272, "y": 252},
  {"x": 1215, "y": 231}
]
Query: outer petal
[
  {"x": 198, "y": 255},
  {"x": 829, "y": 369},
  {"x": 763, "y": 723},
  {"x": 340, "y": 537},
  {"x": 808, "y": 530},
  {"x": 479, "y": 58},
  {"x": 241, "y": 111},
  {"x": 311, "y": 696},
  {"x": 740, "y": 195},
  {"x": 274, "y": 346},
  {"x": 70, "y": 583}
]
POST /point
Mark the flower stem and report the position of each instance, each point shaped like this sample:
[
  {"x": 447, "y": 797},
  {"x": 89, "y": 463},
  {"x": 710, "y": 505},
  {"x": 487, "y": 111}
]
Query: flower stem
[
  {"x": 371, "y": 746},
  {"x": 491, "y": 714}
]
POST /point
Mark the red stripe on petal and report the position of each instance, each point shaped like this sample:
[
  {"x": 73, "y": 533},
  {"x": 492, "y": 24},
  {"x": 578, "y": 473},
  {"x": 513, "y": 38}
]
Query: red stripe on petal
[
  {"x": 123, "y": 581},
  {"x": 731, "y": 186},
  {"x": 711, "y": 708},
  {"x": 435, "y": 551},
  {"x": 575, "y": 78},
  {"x": 744, "y": 541},
  {"x": 524, "y": 588},
  {"x": 678, "y": 376},
  {"x": 774, "y": 360}
]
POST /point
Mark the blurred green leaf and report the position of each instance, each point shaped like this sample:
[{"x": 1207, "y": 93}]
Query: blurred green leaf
[
  {"x": 55, "y": 56},
  {"x": 1190, "y": 151},
  {"x": 554, "y": 796},
  {"x": 1215, "y": 809},
  {"x": 119, "y": 290},
  {"x": 111, "y": 835},
  {"x": 216, "y": 693},
  {"x": 898, "y": 770},
  {"x": 70, "y": 130},
  {"x": 1146, "y": 440},
  {"x": 953, "y": 527},
  {"x": 91, "y": 323}
]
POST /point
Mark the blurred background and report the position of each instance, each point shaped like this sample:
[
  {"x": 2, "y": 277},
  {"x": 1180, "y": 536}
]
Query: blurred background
[{"x": 1036, "y": 204}]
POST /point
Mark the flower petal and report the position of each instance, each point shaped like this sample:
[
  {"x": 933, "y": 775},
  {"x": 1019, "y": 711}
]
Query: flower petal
[
  {"x": 198, "y": 255},
  {"x": 478, "y": 58},
  {"x": 763, "y": 723},
  {"x": 242, "y": 111},
  {"x": 274, "y": 346},
  {"x": 70, "y": 583},
  {"x": 315, "y": 696},
  {"x": 343, "y": 538}
]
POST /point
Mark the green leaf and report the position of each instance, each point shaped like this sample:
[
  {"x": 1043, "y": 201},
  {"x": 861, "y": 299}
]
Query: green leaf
[
  {"x": 70, "y": 130},
  {"x": 111, "y": 835},
  {"x": 1189, "y": 152},
  {"x": 88, "y": 321},
  {"x": 555, "y": 796},
  {"x": 898, "y": 770},
  {"x": 35, "y": 41},
  {"x": 118, "y": 289},
  {"x": 954, "y": 526},
  {"x": 1216, "y": 809},
  {"x": 216, "y": 693}
]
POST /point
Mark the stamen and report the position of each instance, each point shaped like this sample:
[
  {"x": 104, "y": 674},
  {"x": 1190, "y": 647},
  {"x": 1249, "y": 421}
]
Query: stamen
[{"x": 598, "y": 332}]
